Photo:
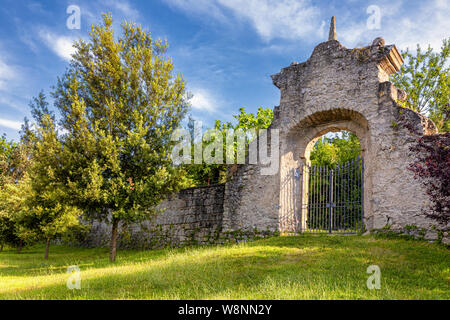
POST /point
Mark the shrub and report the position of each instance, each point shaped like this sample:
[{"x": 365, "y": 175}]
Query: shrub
[{"x": 432, "y": 167}]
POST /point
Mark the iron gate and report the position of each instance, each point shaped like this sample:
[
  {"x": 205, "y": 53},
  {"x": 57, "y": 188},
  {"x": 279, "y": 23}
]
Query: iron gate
[{"x": 332, "y": 199}]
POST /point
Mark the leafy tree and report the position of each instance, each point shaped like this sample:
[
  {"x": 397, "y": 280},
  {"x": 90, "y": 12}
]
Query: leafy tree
[
  {"x": 7, "y": 228},
  {"x": 49, "y": 210},
  {"x": 425, "y": 77},
  {"x": 332, "y": 151},
  {"x": 247, "y": 121},
  {"x": 13, "y": 212},
  {"x": 38, "y": 202},
  {"x": 120, "y": 104},
  {"x": 7, "y": 149},
  {"x": 14, "y": 160},
  {"x": 432, "y": 169},
  {"x": 206, "y": 174}
]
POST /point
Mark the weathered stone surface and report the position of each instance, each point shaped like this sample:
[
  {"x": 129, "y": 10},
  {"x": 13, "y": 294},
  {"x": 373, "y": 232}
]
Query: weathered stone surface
[
  {"x": 195, "y": 215},
  {"x": 446, "y": 241},
  {"x": 431, "y": 235},
  {"x": 343, "y": 89},
  {"x": 332, "y": 35}
]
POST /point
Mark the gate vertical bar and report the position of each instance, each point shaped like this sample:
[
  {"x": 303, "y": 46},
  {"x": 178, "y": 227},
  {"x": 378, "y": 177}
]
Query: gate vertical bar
[
  {"x": 331, "y": 200},
  {"x": 362, "y": 193},
  {"x": 351, "y": 170}
]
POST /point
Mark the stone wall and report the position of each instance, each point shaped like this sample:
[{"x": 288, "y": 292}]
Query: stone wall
[{"x": 192, "y": 216}]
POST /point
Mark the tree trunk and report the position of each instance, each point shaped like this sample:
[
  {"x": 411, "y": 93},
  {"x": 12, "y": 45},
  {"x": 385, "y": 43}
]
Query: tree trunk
[
  {"x": 115, "y": 227},
  {"x": 19, "y": 248},
  {"x": 47, "y": 245}
]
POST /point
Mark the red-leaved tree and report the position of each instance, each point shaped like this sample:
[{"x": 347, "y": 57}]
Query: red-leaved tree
[{"x": 432, "y": 167}]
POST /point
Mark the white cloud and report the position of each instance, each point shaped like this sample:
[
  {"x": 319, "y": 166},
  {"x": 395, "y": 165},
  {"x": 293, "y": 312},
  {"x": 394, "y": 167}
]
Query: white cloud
[
  {"x": 402, "y": 25},
  {"x": 61, "y": 45},
  {"x": 427, "y": 28},
  {"x": 11, "y": 81},
  {"x": 16, "y": 125},
  {"x": 203, "y": 101},
  {"x": 286, "y": 19},
  {"x": 7, "y": 73},
  {"x": 124, "y": 7},
  {"x": 14, "y": 101},
  {"x": 207, "y": 8}
]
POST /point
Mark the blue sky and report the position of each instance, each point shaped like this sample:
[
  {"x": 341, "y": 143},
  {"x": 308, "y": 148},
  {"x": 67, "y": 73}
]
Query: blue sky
[{"x": 225, "y": 49}]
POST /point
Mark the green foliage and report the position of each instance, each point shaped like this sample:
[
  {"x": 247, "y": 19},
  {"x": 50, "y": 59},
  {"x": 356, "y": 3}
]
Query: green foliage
[
  {"x": 247, "y": 121},
  {"x": 205, "y": 174},
  {"x": 425, "y": 77},
  {"x": 336, "y": 150},
  {"x": 7, "y": 149},
  {"x": 38, "y": 203},
  {"x": 16, "y": 213},
  {"x": 120, "y": 104},
  {"x": 14, "y": 160},
  {"x": 7, "y": 225}
]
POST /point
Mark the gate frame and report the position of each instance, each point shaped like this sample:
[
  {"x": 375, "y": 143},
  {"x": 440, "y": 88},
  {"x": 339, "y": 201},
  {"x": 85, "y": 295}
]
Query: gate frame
[{"x": 303, "y": 175}]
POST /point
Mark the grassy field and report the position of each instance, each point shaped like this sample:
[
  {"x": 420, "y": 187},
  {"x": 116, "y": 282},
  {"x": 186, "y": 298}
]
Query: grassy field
[{"x": 295, "y": 267}]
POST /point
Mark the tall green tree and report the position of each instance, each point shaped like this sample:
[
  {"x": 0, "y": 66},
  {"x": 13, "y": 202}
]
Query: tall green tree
[
  {"x": 14, "y": 161},
  {"x": 33, "y": 198},
  {"x": 50, "y": 212},
  {"x": 425, "y": 77},
  {"x": 7, "y": 234},
  {"x": 336, "y": 150},
  {"x": 7, "y": 149},
  {"x": 14, "y": 214},
  {"x": 40, "y": 203},
  {"x": 206, "y": 174},
  {"x": 120, "y": 102}
]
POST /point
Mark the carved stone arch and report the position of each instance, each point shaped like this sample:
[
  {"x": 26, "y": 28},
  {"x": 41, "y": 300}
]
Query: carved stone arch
[
  {"x": 299, "y": 142},
  {"x": 312, "y": 127}
]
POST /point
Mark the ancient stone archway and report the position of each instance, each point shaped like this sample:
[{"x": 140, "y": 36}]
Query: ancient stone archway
[
  {"x": 339, "y": 88},
  {"x": 298, "y": 145}
]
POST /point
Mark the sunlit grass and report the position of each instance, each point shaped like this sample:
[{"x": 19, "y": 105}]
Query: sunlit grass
[{"x": 293, "y": 267}]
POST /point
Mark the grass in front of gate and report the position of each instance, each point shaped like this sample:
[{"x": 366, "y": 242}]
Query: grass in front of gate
[{"x": 292, "y": 267}]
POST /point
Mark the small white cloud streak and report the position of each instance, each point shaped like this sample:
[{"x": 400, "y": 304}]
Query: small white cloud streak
[
  {"x": 203, "y": 101},
  {"x": 7, "y": 73},
  {"x": 60, "y": 45},
  {"x": 207, "y": 8},
  {"x": 287, "y": 19},
  {"x": 283, "y": 19},
  {"x": 16, "y": 125},
  {"x": 124, "y": 7}
]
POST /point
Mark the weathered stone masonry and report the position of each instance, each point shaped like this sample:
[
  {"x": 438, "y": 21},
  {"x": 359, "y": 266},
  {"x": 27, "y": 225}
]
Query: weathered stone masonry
[
  {"x": 193, "y": 215},
  {"x": 200, "y": 215},
  {"x": 335, "y": 89}
]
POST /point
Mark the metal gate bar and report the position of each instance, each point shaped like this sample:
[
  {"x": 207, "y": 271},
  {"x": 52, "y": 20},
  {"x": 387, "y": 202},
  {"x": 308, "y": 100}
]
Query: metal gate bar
[{"x": 334, "y": 202}]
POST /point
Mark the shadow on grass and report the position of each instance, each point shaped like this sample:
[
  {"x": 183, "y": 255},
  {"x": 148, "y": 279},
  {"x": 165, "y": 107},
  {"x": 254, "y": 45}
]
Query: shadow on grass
[{"x": 303, "y": 267}]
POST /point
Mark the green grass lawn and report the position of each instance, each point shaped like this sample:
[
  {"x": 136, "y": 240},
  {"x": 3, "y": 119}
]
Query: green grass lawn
[{"x": 292, "y": 267}]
